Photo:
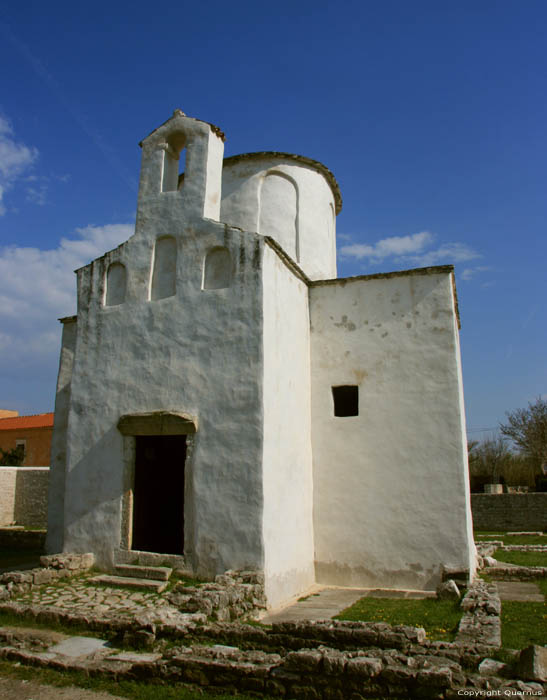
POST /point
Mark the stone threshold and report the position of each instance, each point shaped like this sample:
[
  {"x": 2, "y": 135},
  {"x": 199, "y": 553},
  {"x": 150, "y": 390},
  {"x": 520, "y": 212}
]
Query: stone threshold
[{"x": 130, "y": 582}]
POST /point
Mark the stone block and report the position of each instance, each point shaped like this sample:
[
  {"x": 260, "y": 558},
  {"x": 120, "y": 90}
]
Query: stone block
[
  {"x": 334, "y": 663},
  {"x": 142, "y": 639},
  {"x": 40, "y": 576},
  {"x": 434, "y": 677},
  {"x": 448, "y": 590},
  {"x": 491, "y": 667},
  {"x": 304, "y": 660},
  {"x": 416, "y": 635},
  {"x": 533, "y": 663},
  {"x": 17, "y": 577},
  {"x": 395, "y": 673},
  {"x": 493, "y": 606},
  {"x": 364, "y": 667},
  {"x": 87, "y": 560}
]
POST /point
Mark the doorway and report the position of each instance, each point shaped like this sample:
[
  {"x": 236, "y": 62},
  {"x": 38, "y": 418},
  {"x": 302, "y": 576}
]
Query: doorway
[{"x": 158, "y": 494}]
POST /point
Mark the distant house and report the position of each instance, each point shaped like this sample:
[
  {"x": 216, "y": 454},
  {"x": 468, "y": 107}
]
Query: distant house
[{"x": 30, "y": 433}]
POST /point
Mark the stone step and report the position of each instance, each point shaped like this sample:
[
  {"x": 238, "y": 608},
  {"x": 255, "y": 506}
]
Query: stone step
[
  {"x": 130, "y": 582},
  {"x": 158, "y": 573}
]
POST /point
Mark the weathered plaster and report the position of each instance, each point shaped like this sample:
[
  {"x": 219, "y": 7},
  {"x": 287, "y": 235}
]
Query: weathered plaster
[
  {"x": 172, "y": 354},
  {"x": 390, "y": 503}
]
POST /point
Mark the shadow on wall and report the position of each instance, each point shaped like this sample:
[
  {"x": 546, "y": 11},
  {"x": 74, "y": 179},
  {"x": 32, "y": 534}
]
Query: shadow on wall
[{"x": 97, "y": 518}]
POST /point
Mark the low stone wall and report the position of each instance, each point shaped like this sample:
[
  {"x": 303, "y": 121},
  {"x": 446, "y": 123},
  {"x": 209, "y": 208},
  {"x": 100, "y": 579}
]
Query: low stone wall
[
  {"x": 23, "y": 496},
  {"x": 232, "y": 595},
  {"x": 509, "y": 511},
  {"x": 437, "y": 671},
  {"x": 53, "y": 567},
  {"x": 311, "y": 660},
  {"x": 481, "y": 622}
]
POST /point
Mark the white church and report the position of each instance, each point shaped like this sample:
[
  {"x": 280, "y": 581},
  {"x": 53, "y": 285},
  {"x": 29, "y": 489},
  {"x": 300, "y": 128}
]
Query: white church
[{"x": 226, "y": 402}]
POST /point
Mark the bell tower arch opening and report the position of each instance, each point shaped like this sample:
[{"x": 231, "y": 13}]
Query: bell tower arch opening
[{"x": 174, "y": 162}]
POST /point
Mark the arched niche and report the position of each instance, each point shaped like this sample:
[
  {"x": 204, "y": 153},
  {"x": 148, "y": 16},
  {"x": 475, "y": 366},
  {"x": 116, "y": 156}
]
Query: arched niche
[
  {"x": 164, "y": 274},
  {"x": 278, "y": 207},
  {"x": 217, "y": 269},
  {"x": 116, "y": 283}
]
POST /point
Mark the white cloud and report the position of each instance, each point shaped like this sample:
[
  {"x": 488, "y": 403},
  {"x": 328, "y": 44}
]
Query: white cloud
[
  {"x": 39, "y": 286},
  {"x": 470, "y": 272},
  {"x": 387, "y": 247},
  {"x": 37, "y": 195},
  {"x": 447, "y": 253},
  {"x": 410, "y": 250},
  {"x": 15, "y": 159}
]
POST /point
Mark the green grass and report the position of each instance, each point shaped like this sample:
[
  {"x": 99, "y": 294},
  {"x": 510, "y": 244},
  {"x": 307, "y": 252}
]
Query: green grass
[
  {"x": 135, "y": 690},
  {"x": 523, "y": 624},
  {"x": 521, "y": 558},
  {"x": 439, "y": 618},
  {"x": 12, "y": 620}
]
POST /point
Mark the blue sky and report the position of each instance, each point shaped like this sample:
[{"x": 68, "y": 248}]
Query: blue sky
[{"x": 431, "y": 115}]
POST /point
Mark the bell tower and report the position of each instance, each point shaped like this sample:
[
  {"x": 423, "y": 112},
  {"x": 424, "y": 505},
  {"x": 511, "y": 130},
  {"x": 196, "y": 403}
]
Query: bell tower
[{"x": 181, "y": 170}]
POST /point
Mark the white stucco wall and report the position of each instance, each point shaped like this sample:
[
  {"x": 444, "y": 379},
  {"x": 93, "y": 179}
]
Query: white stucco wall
[
  {"x": 287, "y": 461},
  {"x": 198, "y": 352},
  {"x": 260, "y": 192},
  {"x": 390, "y": 499}
]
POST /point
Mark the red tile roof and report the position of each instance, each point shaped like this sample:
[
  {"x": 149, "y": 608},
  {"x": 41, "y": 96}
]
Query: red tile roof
[{"x": 41, "y": 420}]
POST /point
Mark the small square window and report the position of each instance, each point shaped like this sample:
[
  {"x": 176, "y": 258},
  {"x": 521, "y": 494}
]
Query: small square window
[{"x": 346, "y": 400}]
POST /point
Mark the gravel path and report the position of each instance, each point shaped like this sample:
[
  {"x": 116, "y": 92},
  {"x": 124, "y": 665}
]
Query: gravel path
[{"x": 12, "y": 689}]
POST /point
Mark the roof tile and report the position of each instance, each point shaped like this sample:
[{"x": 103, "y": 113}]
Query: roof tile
[{"x": 41, "y": 420}]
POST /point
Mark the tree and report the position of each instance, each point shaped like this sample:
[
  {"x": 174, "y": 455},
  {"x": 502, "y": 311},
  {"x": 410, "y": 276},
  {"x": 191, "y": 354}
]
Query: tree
[
  {"x": 489, "y": 458},
  {"x": 527, "y": 429},
  {"x": 12, "y": 458}
]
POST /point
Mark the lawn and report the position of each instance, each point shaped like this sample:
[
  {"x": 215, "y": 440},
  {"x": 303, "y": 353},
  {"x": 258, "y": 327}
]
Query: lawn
[
  {"x": 439, "y": 618},
  {"x": 521, "y": 558},
  {"x": 523, "y": 624}
]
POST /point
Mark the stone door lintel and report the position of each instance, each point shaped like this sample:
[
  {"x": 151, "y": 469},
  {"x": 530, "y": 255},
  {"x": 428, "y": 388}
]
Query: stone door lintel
[{"x": 157, "y": 423}]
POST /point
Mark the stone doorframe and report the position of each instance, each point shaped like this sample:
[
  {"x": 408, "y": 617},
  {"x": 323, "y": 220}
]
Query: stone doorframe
[{"x": 132, "y": 425}]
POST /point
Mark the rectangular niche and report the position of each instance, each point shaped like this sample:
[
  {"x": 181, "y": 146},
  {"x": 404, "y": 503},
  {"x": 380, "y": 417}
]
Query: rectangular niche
[{"x": 346, "y": 400}]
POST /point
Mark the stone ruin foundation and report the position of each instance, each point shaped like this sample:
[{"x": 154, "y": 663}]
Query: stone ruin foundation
[{"x": 200, "y": 639}]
